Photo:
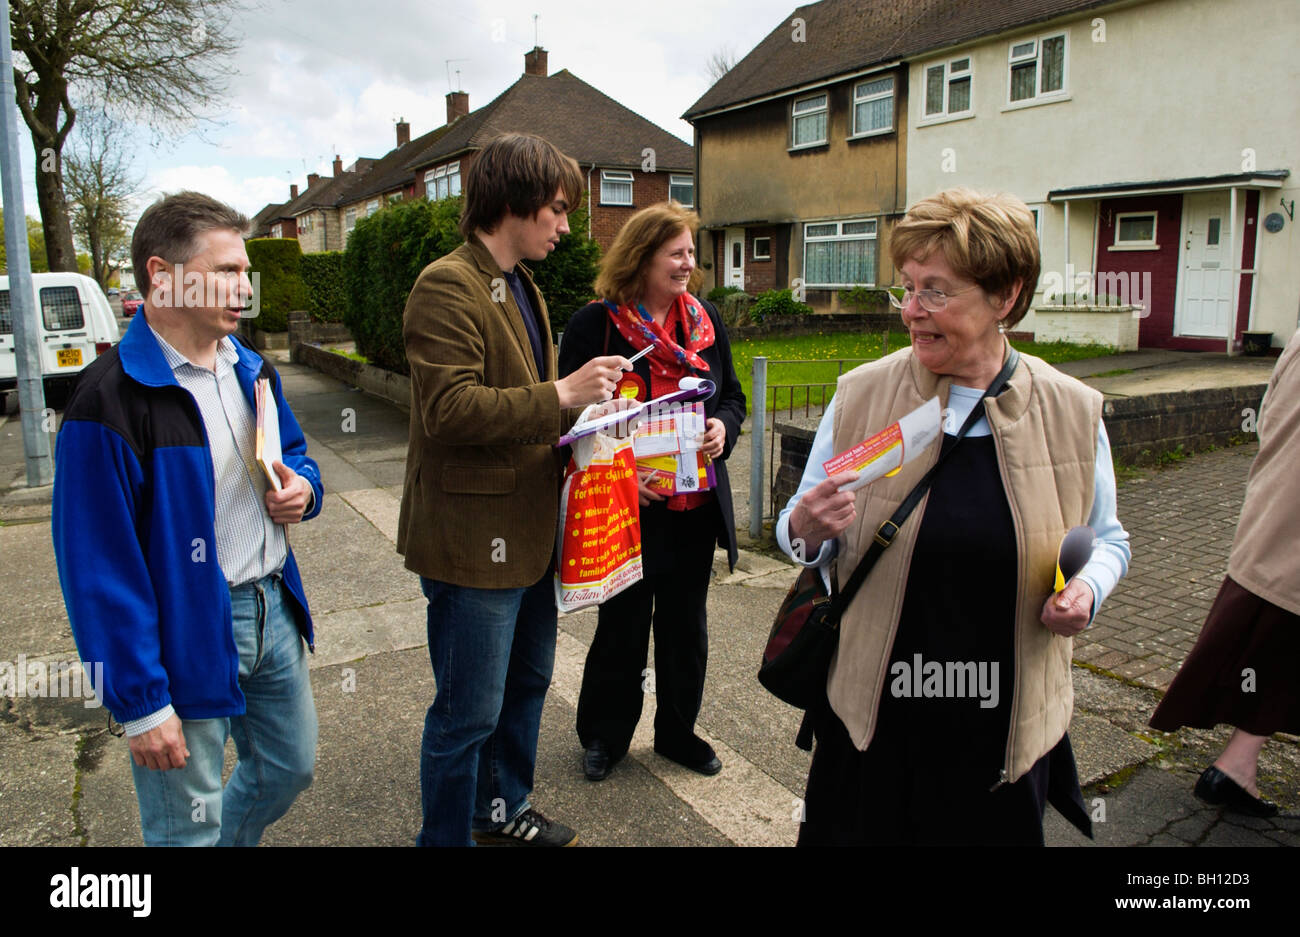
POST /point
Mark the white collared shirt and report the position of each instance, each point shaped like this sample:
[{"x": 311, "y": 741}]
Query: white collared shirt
[{"x": 249, "y": 544}]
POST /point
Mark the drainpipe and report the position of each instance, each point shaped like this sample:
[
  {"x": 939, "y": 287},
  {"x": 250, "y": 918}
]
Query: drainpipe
[{"x": 589, "y": 172}]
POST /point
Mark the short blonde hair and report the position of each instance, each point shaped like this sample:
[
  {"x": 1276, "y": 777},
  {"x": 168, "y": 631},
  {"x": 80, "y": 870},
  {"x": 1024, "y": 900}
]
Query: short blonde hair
[
  {"x": 622, "y": 269},
  {"x": 990, "y": 239}
]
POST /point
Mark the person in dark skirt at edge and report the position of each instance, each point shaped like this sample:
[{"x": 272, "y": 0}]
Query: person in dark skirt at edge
[
  {"x": 903, "y": 756},
  {"x": 646, "y": 280},
  {"x": 1242, "y": 670}
]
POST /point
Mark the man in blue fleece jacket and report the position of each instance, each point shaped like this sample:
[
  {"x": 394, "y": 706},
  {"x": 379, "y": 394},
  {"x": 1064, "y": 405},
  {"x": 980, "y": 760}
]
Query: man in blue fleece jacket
[{"x": 171, "y": 543}]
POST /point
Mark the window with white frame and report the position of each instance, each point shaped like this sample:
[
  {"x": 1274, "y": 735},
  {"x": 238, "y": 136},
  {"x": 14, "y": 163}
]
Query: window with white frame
[
  {"x": 1135, "y": 229},
  {"x": 839, "y": 253},
  {"x": 809, "y": 120},
  {"x": 306, "y": 223},
  {"x": 372, "y": 206},
  {"x": 948, "y": 88},
  {"x": 349, "y": 221},
  {"x": 277, "y": 231},
  {"x": 873, "y": 106},
  {"x": 615, "y": 187},
  {"x": 1037, "y": 212},
  {"x": 394, "y": 198},
  {"x": 682, "y": 189},
  {"x": 442, "y": 182},
  {"x": 1037, "y": 68},
  {"x": 762, "y": 248}
]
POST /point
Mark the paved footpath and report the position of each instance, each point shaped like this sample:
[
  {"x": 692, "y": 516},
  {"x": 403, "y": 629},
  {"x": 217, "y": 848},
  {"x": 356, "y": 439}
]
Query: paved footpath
[{"x": 66, "y": 780}]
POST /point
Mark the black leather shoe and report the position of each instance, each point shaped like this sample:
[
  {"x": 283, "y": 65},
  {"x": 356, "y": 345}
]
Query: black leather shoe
[
  {"x": 1218, "y": 789},
  {"x": 596, "y": 762},
  {"x": 704, "y": 761}
]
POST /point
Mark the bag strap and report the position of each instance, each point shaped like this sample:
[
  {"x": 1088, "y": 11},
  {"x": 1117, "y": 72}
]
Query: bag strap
[{"x": 888, "y": 530}]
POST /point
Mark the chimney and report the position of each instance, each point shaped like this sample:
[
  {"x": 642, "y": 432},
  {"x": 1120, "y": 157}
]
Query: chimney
[
  {"x": 312, "y": 179},
  {"x": 457, "y": 105},
  {"x": 293, "y": 191},
  {"x": 535, "y": 62},
  {"x": 338, "y": 166},
  {"x": 403, "y": 132}
]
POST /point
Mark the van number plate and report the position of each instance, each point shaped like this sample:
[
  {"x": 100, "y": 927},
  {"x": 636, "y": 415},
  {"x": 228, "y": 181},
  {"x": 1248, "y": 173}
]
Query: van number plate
[{"x": 69, "y": 357}]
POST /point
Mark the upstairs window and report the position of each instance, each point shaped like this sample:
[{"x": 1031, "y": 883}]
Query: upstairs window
[
  {"x": 372, "y": 206},
  {"x": 615, "y": 187},
  {"x": 682, "y": 189},
  {"x": 808, "y": 117},
  {"x": 947, "y": 88},
  {"x": 873, "y": 106},
  {"x": 1037, "y": 68},
  {"x": 443, "y": 182}
]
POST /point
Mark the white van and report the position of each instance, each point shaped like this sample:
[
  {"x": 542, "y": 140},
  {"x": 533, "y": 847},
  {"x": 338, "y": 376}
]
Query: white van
[{"x": 77, "y": 325}]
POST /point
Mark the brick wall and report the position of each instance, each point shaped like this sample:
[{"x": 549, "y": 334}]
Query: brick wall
[
  {"x": 648, "y": 188},
  {"x": 760, "y": 275}
]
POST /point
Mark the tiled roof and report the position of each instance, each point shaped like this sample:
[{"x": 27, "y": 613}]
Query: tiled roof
[
  {"x": 391, "y": 171},
  {"x": 583, "y": 122},
  {"x": 262, "y": 220},
  {"x": 330, "y": 190},
  {"x": 843, "y": 36}
]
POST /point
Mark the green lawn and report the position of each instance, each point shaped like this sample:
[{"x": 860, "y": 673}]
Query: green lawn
[{"x": 813, "y": 351}]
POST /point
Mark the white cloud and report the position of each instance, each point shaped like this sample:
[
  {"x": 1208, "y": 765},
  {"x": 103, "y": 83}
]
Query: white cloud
[{"x": 248, "y": 194}]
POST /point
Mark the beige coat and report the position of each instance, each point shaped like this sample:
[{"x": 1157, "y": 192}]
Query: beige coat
[
  {"x": 1045, "y": 431},
  {"x": 481, "y": 497},
  {"x": 1263, "y": 558}
]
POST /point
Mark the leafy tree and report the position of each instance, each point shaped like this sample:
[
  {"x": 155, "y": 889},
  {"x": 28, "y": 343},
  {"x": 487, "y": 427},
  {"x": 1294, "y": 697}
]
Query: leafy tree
[
  {"x": 99, "y": 186},
  {"x": 565, "y": 278},
  {"x": 164, "y": 60},
  {"x": 35, "y": 246}
]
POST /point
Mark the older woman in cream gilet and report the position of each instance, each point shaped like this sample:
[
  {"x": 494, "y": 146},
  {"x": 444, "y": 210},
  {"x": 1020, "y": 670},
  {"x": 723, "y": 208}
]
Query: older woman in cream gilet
[{"x": 950, "y": 693}]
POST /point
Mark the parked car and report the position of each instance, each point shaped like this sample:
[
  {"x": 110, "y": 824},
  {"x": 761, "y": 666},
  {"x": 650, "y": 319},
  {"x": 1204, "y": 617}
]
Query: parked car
[
  {"x": 77, "y": 325},
  {"x": 112, "y": 291},
  {"x": 131, "y": 302}
]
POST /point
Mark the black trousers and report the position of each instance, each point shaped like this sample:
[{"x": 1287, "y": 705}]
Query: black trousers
[{"x": 677, "y": 560}]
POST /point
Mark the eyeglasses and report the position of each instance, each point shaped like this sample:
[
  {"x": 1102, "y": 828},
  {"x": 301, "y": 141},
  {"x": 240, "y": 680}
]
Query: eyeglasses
[{"x": 931, "y": 300}]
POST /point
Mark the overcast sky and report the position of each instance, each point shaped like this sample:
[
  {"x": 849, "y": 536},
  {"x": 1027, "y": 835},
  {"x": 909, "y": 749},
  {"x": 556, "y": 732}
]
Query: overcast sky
[{"x": 319, "y": 77}]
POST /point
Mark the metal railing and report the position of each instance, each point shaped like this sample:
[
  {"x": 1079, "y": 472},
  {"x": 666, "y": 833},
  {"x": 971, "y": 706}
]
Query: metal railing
[{"x": 762, "y": 467}]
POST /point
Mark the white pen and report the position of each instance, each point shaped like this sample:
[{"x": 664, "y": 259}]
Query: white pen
[{"x": 639, "y": 355}]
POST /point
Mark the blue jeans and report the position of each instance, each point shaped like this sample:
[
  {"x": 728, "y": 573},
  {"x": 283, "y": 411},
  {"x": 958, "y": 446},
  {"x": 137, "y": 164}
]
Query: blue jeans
[
  {"x": 492, "y": 652},
  {"x": 275, "y": 738}
]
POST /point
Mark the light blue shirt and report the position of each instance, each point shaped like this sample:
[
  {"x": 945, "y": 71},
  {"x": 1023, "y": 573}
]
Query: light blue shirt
[{"x": 1110, "y": 554}]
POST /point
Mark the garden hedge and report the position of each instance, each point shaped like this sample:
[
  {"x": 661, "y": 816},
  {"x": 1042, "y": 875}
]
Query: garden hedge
[
  {"x": 278, "y": 263},
  {"x": 322, "y": 275}
]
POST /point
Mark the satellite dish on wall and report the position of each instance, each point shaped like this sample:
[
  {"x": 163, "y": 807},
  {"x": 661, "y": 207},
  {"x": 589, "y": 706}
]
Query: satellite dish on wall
[{"x": 1273, "y": 222}]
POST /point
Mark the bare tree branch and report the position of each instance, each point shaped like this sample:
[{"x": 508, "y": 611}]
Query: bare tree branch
[
  {"x": 99, "y": 182},
  {"x": 164, "y": 62},
  {"x": 719, "y": 63}
]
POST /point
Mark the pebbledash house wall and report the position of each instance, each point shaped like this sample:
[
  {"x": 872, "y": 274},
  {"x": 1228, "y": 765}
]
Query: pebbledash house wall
[
  {"x": 750, "y": 177},
  {"x": 1159, "y": 99}
]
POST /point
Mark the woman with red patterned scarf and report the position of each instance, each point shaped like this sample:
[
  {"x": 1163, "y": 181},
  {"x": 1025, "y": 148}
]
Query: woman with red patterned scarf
[{"x": 645, "y": 283}]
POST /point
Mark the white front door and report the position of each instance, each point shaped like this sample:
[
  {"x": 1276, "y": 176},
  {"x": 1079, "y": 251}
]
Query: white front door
[
  {"x": 1205, "y": 277},
  {"x": 736, "y": 257}
]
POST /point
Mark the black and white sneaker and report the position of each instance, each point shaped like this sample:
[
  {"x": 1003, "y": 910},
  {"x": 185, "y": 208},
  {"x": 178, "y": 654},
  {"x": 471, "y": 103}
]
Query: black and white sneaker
[{"x": 530, "y": 828}]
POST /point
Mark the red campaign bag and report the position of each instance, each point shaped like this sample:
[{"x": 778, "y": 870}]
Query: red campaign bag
[{"x": 598, "y": 542}]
